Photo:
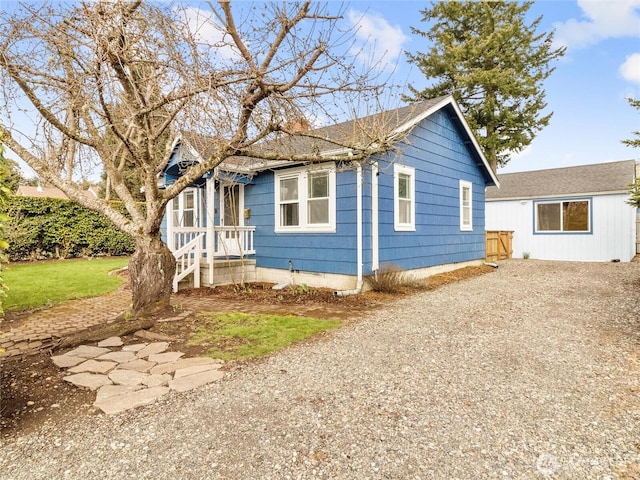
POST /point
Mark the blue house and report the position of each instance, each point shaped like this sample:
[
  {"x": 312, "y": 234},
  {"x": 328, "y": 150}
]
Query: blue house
[{"x": 419, "y": 206}]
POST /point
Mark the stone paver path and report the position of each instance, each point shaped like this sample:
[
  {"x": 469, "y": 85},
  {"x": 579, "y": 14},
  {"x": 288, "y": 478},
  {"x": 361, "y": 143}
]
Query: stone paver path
[
  {"x": 134, "y": 375},
  {"x": 45, "y": 327}
]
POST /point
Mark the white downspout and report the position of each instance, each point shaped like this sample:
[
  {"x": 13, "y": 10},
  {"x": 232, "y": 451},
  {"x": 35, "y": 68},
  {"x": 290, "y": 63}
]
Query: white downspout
[
  {"x": 359, "y": 236},
  {"x": 375, "y": 245}
]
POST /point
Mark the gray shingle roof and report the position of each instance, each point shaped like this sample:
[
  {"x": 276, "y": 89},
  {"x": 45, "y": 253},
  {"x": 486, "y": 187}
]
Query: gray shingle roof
[
  {"x": 352, "y": 132},
  {"x": 357, "y": 133},
  {"x": 584, "y": 179}
]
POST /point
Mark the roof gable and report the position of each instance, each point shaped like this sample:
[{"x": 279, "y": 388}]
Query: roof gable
[{"x": 613, "y": 177}]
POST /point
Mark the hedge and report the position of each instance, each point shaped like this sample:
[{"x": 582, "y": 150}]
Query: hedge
[{"x": 53, "y": 228}]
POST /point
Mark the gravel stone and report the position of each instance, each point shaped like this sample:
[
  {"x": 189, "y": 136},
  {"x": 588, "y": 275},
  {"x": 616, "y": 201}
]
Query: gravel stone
[
  {"x": 529, "y": 372},
  {"x": 93, "y": 366},
  {"x": 92, "y": 381},
  {"x": 128, "y": 377},
  {"x": 66, "y": 361},
  {"x": 111, "y": 342},
  {"x": 120, "y": 357},
  {"x": 167, "y": 357},
  {"x": 88, "y": 351},
  {"x": 152, "y": 349}
]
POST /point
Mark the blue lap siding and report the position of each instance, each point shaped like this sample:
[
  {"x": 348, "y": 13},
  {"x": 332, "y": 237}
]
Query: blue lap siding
[
  {"x": 310, "y": 252},
  {"x": 441, "y": 158}
]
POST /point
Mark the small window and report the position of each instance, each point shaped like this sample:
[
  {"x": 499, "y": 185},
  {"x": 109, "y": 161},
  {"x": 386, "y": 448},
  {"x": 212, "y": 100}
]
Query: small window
[
  {"x": 565, "y": 216},
  {"x": 466, "y": 206},
  {"x": 183, "y": 209},
  {"x": 289, "y": 204},
  {"x": 318, "y": 198},
  {"x": 404, "y": 198},
  {"x": 188, "y": 214},
  {"x": 306, "y": 200}
]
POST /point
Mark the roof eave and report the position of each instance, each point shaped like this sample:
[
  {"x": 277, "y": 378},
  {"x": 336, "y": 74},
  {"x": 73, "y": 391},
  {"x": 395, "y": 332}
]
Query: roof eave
[{"x": 558, "y": 195}]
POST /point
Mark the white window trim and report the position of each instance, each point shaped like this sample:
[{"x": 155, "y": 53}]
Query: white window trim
[
  {"x": 410, "y": 171},
  {"x": 560, "y": 202},
  {"x": 464, "y": 227},
  {"x": 302, "y": 175},
  {"x": 178, "y": 203}
]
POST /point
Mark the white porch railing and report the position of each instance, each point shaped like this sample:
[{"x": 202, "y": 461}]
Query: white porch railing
[
  {"x": 191, "y": 244},
  {"x": 233, "y": 241},
  {"x": 188, "y": 261},
  {"x": 180, "y": 236}
]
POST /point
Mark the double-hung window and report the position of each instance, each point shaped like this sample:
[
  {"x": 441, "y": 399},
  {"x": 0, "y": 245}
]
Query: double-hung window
[
  {"x": 563, "y": 216},
  {"x": 184, "y": 208},
  {"x": 306, "y": 200},
  {"x": 404, "y": 197},
  {"x": 466, "y": 206}
]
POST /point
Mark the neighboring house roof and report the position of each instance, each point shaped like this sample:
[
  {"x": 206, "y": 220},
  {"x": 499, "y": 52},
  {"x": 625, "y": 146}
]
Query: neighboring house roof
[
  {"x": 92, "y": 192},
  {"x": 600, "y": 178},
  {"x": 48, "y": 192},
  {"x": 392, "y": 123}
]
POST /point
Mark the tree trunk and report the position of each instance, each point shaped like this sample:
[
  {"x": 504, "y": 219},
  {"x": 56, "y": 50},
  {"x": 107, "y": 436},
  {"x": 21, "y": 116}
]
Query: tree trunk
[{"x": 152, "y": 267}]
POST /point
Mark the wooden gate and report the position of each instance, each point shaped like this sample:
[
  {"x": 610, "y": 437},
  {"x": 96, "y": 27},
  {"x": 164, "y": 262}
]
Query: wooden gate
[{"x": 498, "y": 245}]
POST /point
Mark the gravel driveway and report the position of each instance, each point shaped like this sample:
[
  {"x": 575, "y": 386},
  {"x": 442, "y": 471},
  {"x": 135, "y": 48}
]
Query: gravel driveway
[{"x": 531, "y": 371}]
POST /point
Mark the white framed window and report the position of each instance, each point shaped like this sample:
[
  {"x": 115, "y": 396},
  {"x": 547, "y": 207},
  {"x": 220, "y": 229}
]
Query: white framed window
[
  {"x": 404, "y": 198},
  {"x": 466, "y": 206},
  {"x": 563, "y": 216},
  {"x": 305, "y": 199},
  {"x": 184, "y": 208}
]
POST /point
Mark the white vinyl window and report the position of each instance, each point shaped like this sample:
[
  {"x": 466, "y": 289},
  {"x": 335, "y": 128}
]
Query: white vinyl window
[
  {"x": 404, "y": 198},
  {"x": 184, "y": 209},
  {"x": 466, "y": 206},
  {"x": 563, "y": 216},
  {"x": 306, "y": 200}
]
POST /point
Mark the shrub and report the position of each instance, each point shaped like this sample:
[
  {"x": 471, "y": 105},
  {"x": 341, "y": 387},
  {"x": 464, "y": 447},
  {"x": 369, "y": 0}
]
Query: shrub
[
  {"x": 54, "y": 228},
  {"x": 4, "y": 196},
  {"x": 389, "y": 278}
]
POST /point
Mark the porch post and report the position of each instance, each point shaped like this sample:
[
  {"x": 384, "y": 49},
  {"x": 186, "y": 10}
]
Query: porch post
[
  {"x": 169, "y": 215},
  {"x": 210, "y": 211}
]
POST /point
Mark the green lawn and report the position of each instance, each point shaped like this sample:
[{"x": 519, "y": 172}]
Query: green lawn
[
  {"x": 231, "y": 335},
  {"x": 34, "y": 285}
]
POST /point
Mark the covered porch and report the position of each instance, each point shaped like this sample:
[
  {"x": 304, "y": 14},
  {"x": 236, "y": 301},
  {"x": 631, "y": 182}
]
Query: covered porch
[
  {"x": 215, "y": 256},
  {"x": 206, "y": 231}
]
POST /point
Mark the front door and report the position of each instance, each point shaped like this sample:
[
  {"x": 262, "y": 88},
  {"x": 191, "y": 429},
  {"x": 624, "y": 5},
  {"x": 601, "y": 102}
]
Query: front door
[{"x": 230, "y": 235}]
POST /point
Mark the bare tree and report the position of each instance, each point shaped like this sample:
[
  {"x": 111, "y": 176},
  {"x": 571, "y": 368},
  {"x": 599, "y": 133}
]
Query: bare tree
[{"x": 112, "y": 84}]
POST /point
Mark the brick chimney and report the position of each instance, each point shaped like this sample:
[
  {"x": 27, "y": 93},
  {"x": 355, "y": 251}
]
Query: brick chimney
[{"x": 297, "y": 125}]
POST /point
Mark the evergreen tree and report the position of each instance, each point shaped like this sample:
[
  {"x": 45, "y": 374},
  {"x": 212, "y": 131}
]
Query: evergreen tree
[
  {"x": 13, "y": 178},
  {"x": 494, "y": 63},
  {"x": 633, "y": 142}
]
